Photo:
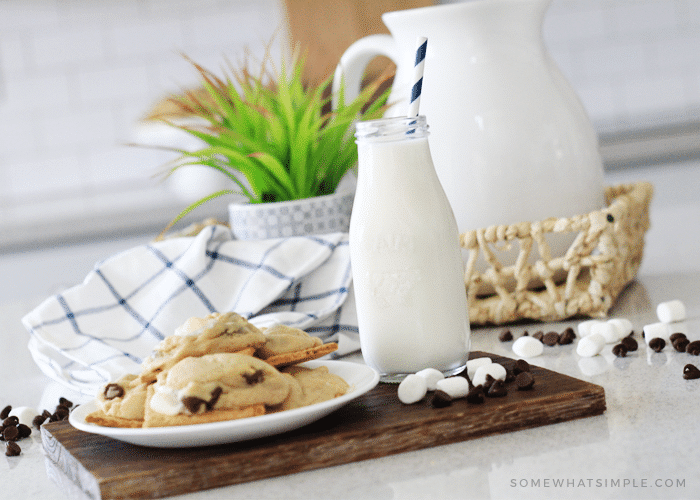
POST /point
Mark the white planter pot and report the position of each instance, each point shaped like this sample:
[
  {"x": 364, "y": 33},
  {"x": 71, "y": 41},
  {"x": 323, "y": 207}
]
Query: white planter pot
[{"x": 317, "y": 215}]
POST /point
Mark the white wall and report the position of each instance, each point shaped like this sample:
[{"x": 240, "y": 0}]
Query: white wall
[{"x": 75, "y": 76}]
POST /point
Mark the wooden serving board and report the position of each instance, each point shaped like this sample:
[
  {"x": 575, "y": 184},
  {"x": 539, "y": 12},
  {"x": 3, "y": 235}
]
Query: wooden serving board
[{"x": 371, "y": 426}]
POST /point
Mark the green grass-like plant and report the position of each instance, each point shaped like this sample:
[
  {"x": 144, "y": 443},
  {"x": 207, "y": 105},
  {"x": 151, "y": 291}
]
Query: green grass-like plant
[{"x": 280, "y": 134}]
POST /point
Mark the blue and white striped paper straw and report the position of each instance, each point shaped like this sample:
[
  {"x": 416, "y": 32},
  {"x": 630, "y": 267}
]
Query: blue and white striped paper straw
[{"x": 417, "y": 87}]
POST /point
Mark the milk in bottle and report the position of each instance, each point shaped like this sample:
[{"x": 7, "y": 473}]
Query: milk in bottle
[{"x": 406, "y": 260}]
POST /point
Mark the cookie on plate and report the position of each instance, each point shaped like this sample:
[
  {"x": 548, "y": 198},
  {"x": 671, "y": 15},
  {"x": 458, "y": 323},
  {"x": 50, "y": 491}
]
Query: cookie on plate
[
  {"x": 212, "y": 388},
  {"x": 216, "y": 333},
  {"x": 120, "y": 403},
  {"x": 287, "y": 345},
  {"x": 311, "y": 385}
]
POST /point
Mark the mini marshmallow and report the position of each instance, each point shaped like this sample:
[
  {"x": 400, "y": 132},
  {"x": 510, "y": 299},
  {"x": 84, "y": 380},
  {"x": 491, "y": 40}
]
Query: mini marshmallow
[
  {"x": 584, "y": 327},
  {"x": 494, "y": 369},
  {"x": 431, "y": 376},
  {"x": 590, "y": 345},
  {"x": 527, "y": 347},
  {"x": 607, "y": 330},
  {"x": 474, "y": 364},
  {"x": 455, "y": 387},
  {"x": 24, "y": 414},
  {"x": 412, "y": 389},
  {"x": 654, "y": 330},
  {"x": 673, "y": 310},
  {"x": 622, "y": 325}
]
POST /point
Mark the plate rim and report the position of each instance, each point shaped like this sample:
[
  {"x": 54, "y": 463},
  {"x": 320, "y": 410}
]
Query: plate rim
[{"x": 275, "y": 422}]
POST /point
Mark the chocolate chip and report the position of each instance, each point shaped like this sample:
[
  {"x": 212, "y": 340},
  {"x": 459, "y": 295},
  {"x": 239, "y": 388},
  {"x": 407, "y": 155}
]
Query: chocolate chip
[
  {"x": 521, "y": 366},
  {"x": 46, "y": 414},
  {"x": 550, "y": 339},
  {"x": 254, "y": 378},
  {"x": 690, "y": 372},
  {"x": 657, "y": 344},
  {"x": 524, "y": 381},
  {"x": 5, "y": 412},
  {"x": 193, "y": 403},
  {"x": 113, "y": 391},
  {"x": 680, "y": 344},
  {"x": 630, "y": 344},
  {"x": 214, "y": 398},
  {"x": 13, "y": 420},
  {"x": 24, "y": 431},
  {"x": 61, "y": 412},
  {"x": 10, "y": 433},
  {"x": 441, "y": 399},
  {"x": 505, "y": 336},
  {"x": 610, "y": 218},
  {"x": 538, "y": 335},
  {"x": 693, "y": 348},
  {"x": 620, "y": 350},
  {"x": 488, "y": 380},
  {"x": 65, "y": 402},
  {"x": 38, "y": 420},
  {"x": 525, "y": 334},
  {"x": 676, "y": 336},
  {"x": 567, "y": 336},
  {"x": 12, "y": 449},
  {"x": 497, "y": 389},
  {"x": 475, "y": 395}
]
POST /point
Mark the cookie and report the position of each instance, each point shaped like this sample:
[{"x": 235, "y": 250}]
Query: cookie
[
  {"x": 312, "y": 385},
  {"x": 286, "y": 346},
  {"x": 318, "y": 384},
  {"x": 120, "y": 403},
  {"x": 155, "y": 419},
  {"x": 216, "y": 333},
  {"x": 212, "y": 388},
  {"x": 283, "y": 339}
]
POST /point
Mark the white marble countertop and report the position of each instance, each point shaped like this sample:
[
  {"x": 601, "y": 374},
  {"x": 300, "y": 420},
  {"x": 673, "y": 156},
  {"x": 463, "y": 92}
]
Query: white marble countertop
[{"x": 645, "y": 445}]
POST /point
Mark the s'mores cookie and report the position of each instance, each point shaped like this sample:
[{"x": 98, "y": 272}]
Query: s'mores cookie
[
  {"x": 120, "y": 403},
  {"x": 213, "y": 388},
  {"x": 285, "y": 345},
  {"x": 310, "y": 386},
  {"x": 216, "y": 333}
]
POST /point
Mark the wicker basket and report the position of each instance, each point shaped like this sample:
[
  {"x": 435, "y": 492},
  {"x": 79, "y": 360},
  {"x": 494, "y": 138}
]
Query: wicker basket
[{"x": 604, "y": 257}]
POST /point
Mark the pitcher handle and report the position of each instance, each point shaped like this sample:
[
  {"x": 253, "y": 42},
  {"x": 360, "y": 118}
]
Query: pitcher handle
[{"x": 354, "y": 61}]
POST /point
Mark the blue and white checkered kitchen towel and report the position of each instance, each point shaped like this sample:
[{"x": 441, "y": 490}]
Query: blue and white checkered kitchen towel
[{"x": 97, "y": 331}]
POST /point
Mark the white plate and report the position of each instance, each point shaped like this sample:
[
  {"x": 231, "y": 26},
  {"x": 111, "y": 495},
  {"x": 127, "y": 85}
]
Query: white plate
[{"x": 361, "y": 379}]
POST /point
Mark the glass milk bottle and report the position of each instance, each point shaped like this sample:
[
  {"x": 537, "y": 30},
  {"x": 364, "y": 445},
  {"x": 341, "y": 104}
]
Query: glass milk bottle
[{"x": 406, "y": 260}]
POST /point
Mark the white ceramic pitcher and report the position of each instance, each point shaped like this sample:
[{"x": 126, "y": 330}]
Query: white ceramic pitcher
[{"x": 510, "y": 139}]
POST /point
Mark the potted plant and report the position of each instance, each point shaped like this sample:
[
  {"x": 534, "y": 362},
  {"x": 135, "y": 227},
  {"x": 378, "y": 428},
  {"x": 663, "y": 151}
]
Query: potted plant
[{"x": 280, "y": 144}]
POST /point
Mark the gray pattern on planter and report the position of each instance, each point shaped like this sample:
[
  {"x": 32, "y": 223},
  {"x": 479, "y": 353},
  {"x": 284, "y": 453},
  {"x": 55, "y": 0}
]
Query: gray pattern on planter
[{"x": 318, "y": 215}]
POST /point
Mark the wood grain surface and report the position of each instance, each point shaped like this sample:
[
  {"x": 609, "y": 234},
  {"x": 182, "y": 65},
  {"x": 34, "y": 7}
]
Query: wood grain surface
[{"x": 374, "y": 425}]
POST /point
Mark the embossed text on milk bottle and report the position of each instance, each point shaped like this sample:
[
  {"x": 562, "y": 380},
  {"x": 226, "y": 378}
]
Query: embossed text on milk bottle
[{"x": 406, "y": 260}]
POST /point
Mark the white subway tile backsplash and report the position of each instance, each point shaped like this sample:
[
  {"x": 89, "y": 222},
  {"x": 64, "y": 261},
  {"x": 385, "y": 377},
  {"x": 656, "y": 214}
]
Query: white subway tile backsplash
[
  {"x": 12, "y": 57},
  {"x": 120, "y": 165},
  {"x": 112, "y": 83},
  {"x": 20, "y": 15},
  {"x": 145, "y": 38},
  {"x": 654, "y": 94},
  {"x": 575, "y": 25},
  {"x": 678, "y": 54},
  {"x": 45, "y": 177},
  {"x": 18, "y": 134},
  {"x": 614, "y": 62},
  {"x": 643, "y": 19},
  {"x": 34, "y": 94},
  {"x": 77, "y": 75},
  {"x": 67, "y": 49},
  {"x": 90, "y": 126}
]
